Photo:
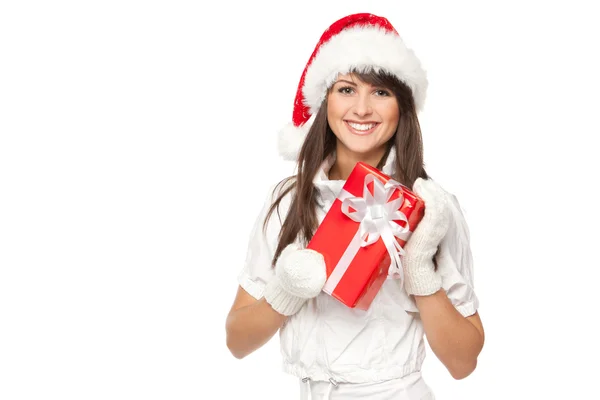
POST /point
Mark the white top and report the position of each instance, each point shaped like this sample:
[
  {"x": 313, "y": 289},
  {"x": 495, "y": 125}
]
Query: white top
[{"x": 328, "y": 340}]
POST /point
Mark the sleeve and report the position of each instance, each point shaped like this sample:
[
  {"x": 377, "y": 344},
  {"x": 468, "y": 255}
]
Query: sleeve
[
  {"x": 455, "y": 263},
  {"x": 257, "y": 269}
]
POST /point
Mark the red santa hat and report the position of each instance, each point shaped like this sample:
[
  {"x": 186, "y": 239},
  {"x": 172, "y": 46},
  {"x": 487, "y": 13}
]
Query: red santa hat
[{"x": 360, "y": 42}]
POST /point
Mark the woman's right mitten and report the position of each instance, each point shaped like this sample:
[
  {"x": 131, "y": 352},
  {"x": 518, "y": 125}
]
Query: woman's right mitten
[{"x": 300, "y": 274}]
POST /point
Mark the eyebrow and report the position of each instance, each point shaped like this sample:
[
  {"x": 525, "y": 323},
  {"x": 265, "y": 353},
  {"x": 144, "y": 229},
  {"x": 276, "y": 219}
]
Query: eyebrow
[{"x": 343, "y": 80}]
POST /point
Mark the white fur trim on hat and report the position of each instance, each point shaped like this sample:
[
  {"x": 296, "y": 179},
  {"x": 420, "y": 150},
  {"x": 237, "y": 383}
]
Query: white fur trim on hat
[{"x": 363, "y": 48}]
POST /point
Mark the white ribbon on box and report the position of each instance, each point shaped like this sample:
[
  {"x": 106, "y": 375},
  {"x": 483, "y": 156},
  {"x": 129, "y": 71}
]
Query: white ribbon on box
[{"x": 377, "y": 216}]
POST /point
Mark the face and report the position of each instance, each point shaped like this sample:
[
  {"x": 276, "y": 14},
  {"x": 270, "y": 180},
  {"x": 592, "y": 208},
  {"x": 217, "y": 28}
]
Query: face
[{"x": 362, "y": 117}]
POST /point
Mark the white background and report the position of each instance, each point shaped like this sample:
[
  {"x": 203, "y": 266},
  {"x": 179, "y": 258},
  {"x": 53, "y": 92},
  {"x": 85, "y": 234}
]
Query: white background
[{"x": 138, "y": 140}]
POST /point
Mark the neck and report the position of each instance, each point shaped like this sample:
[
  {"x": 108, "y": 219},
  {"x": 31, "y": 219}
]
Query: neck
[{"x": 346, "y": 160}]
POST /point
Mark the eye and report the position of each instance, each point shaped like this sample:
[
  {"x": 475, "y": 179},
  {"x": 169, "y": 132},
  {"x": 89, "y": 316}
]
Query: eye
[
  {"x": 382, "y": 92},
  {"x": 346, "y": 90}
]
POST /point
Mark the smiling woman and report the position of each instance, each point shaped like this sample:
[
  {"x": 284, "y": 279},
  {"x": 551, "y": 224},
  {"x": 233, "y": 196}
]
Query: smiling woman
[{"x": 357, "y": 101}]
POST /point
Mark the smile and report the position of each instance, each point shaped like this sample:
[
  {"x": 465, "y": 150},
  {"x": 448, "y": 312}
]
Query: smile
[{"x": 361, "y": 128}]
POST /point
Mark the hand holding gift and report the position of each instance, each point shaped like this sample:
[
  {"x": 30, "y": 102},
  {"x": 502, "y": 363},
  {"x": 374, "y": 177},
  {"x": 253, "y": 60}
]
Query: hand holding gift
[
  {"x": 420, "y": 276},
  {"x": 299, "y": 275}
]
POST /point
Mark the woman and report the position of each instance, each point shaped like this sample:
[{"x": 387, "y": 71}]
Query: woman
[{"x": 358, "y": 100}]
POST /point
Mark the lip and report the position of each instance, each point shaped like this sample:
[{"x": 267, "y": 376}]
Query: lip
[{"x": 361, "y": 133}]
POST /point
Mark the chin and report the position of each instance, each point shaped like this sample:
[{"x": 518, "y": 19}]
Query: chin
[
  {"x": 362, "y": 152},
  {"x": 361, "y": 149}
]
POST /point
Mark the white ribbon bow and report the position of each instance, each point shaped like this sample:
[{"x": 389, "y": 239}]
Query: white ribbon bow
[{"x": 377, "y": 215}]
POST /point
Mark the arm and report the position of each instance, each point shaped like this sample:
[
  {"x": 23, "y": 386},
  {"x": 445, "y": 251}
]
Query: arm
[
  {"x": 299, "y": 275},
  {"x": 250, "y": 324},
  {"x": 455, "y": 340}
]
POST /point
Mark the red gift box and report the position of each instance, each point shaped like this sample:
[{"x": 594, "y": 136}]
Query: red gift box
[{"x": 363, "y": 232}]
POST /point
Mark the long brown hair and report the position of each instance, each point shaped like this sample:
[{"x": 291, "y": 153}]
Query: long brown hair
[{"x": 301, "y": 220}]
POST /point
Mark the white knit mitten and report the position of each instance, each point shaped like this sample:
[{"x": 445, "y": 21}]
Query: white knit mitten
[
  {"x": 420, "y": 276},
  {"x": 300, "y": 274}
]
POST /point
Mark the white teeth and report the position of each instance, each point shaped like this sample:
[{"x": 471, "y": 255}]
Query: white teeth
[{"x": 361, "y": 127}]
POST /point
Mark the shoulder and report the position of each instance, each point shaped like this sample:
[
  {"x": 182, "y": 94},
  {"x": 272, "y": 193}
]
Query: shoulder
[
  {"x": 279, "y": 195},
  {"x": 458, "y": 224},
  {"x": 455, "y": 257},
  {"x": 284, "y": 187},
  {"x": 282, "y": 191}
]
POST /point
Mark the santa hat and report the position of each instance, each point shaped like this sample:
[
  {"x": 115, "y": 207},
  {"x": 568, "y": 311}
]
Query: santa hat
[{"x": 360, "y": 42}]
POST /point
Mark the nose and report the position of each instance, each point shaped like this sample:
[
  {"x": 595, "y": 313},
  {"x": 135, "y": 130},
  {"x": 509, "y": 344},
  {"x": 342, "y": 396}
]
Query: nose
[{"x": 362, "y": 107}]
